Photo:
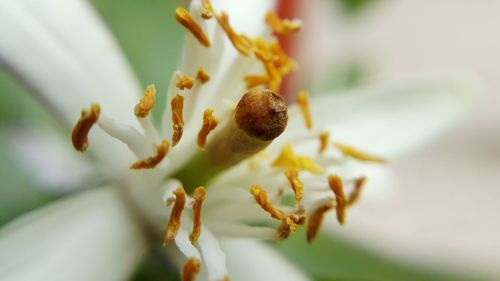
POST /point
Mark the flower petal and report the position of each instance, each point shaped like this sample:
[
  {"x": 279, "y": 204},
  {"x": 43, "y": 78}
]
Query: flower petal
[
  {"x": 392, "y": 119},
  {"x": 65, "y": 54},
  {"x": 87, "y": 237},
  {"x": 50, "y": 160},
  {"x": 249, "y": 260},
  {"x": 246, "y": 16}
]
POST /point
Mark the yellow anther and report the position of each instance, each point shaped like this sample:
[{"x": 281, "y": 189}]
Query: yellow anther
[
  {"x": 183, "y": 17},
  {"x": 253, "y": 81},
  {"x": 324, "y": 140},
  {"x": 315, "y": 220},
  {"x": 209, "y": 124},
  {"x": 290, "y": 224},
  {"x": 191, "y": 269},
  {"x": 88, "y": 118},
  {"x": 177, "y": 104},
  {"x": 288, "y": 159},
  {"x": 261, "y": 198},
  {"x": 284, "y": 63},
  {"x": 356, "y": 192},
  {"x": 147, "y": 102},
  {"x": 184, "y": 82},
  {"x": 357, "y": 154},
  {"x": 199, "y": 196},
  {"x": 303, "y": 102},
  {"x": 202, "y": 75},
  {"x": 241, "y": 42},
  {"x": 174, "y": 221},
  {"x": 263, "y": 51},
  {"x": 282, "y": 26},
  {"x": 153, "y": 161},
  {"x": 208, "y": 10},
  {"x": 292, "y": 175},
  {"x": 335, "y": 183}
]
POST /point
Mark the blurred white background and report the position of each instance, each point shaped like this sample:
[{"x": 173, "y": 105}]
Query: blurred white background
[{"x": 446, "y": 208}]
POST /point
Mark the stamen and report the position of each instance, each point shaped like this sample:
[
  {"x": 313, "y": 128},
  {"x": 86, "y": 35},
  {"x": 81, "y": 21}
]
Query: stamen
[
  {"x": 288, "y": 159},
  {"x": 252, "y": 81},
  {"x": 289, "y": 224},
  {"x": 174, "y": 221},
  {"x": 282, "y": 27},
  {"x": 357, "y": 154},
  {"x": 153, "y": 161},
  {"x": 336, "y": 185},
  {"x": 177, "y": 105},
  {"x": 81, "y": 130},
  {"x": 241, "y": 42},
  {"x": 315, "y": 220},
  {"x": 261, "y": 198},
  {"x": 208, "y": 10},
  {"x": 147, "y": 103},
  {"x": 183, "y": 17},
  {"x": 184, "y": 82},
  {"x": 324, "y": 140},
  {"x": 209, "y": 124},
  {"x": 303, "y": 102},
  {"x": 199, "y": 196},
  {"x": 356, "y": 192},
  {"x": 202, "y": 75},
  {"x": 298, "y": 187},
  {"x": 191, "y": 269}
]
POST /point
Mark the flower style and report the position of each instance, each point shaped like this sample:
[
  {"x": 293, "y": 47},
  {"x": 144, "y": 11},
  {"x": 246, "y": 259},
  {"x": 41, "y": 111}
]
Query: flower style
[{"x": 230, "y": 161}]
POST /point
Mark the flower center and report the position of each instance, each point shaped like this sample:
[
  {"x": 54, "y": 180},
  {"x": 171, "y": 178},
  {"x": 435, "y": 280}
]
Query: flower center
[{"x": 288, "y": 186}]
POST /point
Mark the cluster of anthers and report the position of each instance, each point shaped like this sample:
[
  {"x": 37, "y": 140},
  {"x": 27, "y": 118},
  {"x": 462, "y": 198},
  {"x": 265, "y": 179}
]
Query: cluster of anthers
[{"x": 285, "y": 189}]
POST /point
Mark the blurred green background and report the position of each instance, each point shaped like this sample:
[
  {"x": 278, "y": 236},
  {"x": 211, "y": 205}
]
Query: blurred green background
[{"x": 152, "y": 40}]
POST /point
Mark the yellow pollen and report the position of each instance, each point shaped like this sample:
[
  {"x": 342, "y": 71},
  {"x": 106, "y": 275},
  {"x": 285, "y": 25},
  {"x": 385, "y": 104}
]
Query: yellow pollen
[
  {"x": 174, "y": 221},
  {"x": 252, "y": 81},
  {"x": 240, "y": 41},
  {"x": 282, "y": 26},
  {"x": 184, "y": 82},
  {"x": 183, "y": 17},
  {"x": 209, "y": 124},
  {"x": 147, "y": 103},
  {"x": 335, "y": 183},
  {"x": 315, "y": 220},
  {"x": 202, "y": 75},
  {"x": 191, "y": 269},
  {"x": 358, "y": 155},
  {"x": 292, "y": 175},
  {"x": 153, "y": 161},
  {"x": 290, "y": 223},
  {"x": 261, "y": 198},
  {"x": 177, "y": 104},
  {"x": 81, "y": 130},
  {"x": 303, "y": 102},
  {"x": 208, "y": 10},
  {"x": 356, "y": 192},
  {"x": 324, "y": 139},
  {"x": 199, "y": 196},
  {"x": 288, "y": 159}
]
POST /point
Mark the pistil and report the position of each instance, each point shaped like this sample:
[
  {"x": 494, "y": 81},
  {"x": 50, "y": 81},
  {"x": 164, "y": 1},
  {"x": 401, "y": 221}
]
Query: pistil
[{"x": 260, "y": 117}]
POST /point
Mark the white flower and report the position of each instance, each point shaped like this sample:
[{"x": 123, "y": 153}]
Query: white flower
[{"x": 211, "y": 135}]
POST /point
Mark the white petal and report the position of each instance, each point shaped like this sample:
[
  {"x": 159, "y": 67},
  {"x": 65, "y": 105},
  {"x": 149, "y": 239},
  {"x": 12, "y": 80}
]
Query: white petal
[
  {"x": 87, "y": 237},
  {"x": 51, "y": 160},
  {"x": 392, "y": 119},
  {"x": 65, "y": 54},
  {"x": 246, "y": 16},
  {"x": 249, "y": 260}
]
